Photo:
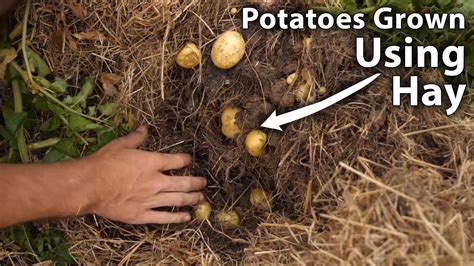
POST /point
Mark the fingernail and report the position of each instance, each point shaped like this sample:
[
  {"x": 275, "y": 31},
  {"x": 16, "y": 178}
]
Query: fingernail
[
  {"x": 201, "y": 197},
  {"x": 204, "y": 181},
  {"x": 141, "y": 129},
  {"x": 186, "y": 217}
]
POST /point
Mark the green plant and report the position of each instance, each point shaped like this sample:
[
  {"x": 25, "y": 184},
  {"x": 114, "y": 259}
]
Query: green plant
[{"x": 67, "y": 124}]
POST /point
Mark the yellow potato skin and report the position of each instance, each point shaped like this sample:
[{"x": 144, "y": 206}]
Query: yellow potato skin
[
  {"x": 228, "y": 50},
  {"x": 228, "y": 121},
  {"x": 202, "y": 211},
  {"x": 304, "y": 88},
  {"x": 189, "y": 56},
  {"x": 259, "y": 198},
  {"x": 255, "y": 142},
  {"x": 228, "y": 219},
  {"x": 302, "y": 92},
  {"x": 291, "y": 79}
]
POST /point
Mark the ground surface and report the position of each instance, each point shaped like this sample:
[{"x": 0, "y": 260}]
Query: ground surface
[{"x": 361, "y": 182}]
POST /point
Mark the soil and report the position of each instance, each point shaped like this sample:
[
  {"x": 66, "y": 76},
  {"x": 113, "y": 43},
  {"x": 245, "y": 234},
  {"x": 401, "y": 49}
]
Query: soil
[{"x": 301, "y": 166}]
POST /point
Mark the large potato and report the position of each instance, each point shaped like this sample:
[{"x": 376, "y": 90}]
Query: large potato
[{"x": 228, "y": 50}]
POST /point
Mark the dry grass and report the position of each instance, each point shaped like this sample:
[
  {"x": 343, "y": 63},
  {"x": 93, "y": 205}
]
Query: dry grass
[{"x": 360, "y": 183}]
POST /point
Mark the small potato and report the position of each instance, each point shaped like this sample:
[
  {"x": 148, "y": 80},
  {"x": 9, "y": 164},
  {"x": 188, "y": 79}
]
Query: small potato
[
  {"x": 302, "y": 92},
  {"x": 228, "y": 219},
  {"x": 259, "y": 198},
  {"x": 322, "y": 90},
  {"x": 255, "y": 142},
  {"x": 202, "y": 211},
  {"x": 189, "y": 56},
  {"x": 228, "y": 50},
  {"x": 291, "y": 79},
  {"x": 307, "y": 42},
  {"x": 234, "y": 11},
  {"x": 229, "y": 125}
]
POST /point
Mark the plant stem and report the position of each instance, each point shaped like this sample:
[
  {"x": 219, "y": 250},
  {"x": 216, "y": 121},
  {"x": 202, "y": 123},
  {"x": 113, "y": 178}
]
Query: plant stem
[
  {"x": 29, "y": 77},
  {"x": 23, "y": 44},
  {"x": 84, "y": 141},
  {"x": 44, "y": 144},
  {"x": 48, "y": 95},
  {"x": 18, "y": 102},
  {"x": 47, "y": 143}
]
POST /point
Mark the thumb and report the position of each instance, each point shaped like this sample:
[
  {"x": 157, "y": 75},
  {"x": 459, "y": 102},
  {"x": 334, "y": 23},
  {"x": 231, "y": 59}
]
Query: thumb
[{"x": 134, "y": 139}]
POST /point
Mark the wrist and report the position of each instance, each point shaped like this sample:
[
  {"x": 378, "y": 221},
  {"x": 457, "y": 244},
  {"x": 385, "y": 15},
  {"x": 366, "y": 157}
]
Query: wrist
[{"x": 84, "y": 195}]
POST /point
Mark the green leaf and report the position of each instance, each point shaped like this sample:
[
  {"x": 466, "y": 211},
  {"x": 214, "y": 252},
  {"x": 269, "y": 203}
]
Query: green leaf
[
  {"x": 20, "y": 236},
  {"x": 40, "y": 103},
  {"x": 467, "y": 8},
  {"x": 51, "y": 124},
  {"x": 59, "y": 85},
  {"x": 108, "y": 109},
  {"x": 402, "y": 5},
  {"x": 81, "y": 97},
  {"x": 17, "y": 30},
  {"x": 68, "y": 148},
  {"x": 55, "y": 108},
  {"x": 92, "y": 111},
  {"x": 43, "y": 82},
  {"x": 6, "y": 56},
  {"x": 105, "y": 137},
  {"x": 13, "y": 121},
  {"x": 78, "y": 123},
  {"x": 55, "y": 156},
  {"x": 349, "y": 5},
  {"x": 64, "y": 150},
  {"x": 6, "y": 134},
  {"x": 37, "y": 64}
]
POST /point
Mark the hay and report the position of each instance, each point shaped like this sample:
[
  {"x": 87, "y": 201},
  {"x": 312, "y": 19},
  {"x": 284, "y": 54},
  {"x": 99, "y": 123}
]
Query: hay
[{"x": 362, "y": 182}]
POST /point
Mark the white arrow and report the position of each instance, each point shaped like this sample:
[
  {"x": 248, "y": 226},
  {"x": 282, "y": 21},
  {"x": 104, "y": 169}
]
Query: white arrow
[{"x": 274, "y": 121}]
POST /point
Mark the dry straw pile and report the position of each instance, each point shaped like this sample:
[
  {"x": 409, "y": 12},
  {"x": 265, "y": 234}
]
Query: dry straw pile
[{"x": 362, "y": 182}]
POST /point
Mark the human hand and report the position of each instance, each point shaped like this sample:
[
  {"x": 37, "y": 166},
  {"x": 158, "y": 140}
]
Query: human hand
[{"x": 130, "y": 182}]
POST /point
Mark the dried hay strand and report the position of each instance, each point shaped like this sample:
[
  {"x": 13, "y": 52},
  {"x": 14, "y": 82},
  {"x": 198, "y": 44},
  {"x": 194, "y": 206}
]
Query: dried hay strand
[{"x": 362, "y": 182}]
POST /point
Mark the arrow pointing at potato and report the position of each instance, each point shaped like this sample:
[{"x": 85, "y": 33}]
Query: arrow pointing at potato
[{"x": 274, "y": 121}]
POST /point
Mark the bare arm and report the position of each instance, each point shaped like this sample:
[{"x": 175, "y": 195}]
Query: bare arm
[{"x": 118, "y": 182}]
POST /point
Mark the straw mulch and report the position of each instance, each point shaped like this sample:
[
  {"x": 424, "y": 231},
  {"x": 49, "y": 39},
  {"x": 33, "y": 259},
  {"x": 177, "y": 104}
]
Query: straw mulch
[{"x": 362, "y": 182}]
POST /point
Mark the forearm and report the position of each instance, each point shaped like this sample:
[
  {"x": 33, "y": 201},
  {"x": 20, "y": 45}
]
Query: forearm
[{"x": 35, "y": 191}]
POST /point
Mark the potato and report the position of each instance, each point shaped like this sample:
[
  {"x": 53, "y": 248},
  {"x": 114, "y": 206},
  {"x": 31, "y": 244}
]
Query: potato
[
  {"x": 255, "y": 142},
  {"x": 202, "y": 211},
  {"x": 259, "y": 198},
  {"x": 229, "y": 126},
  {"x": 228, "y": 50},
  {"x": 228, "y": 219},
  {"x": 291, "y": 78},
  {"x": 234, "y": 11},
  {"x": 322, "y": 90},
  {"x": 303, "y": 90},
  {"x": 307, "y": 42},
  {"x": 189, "y": 56}
]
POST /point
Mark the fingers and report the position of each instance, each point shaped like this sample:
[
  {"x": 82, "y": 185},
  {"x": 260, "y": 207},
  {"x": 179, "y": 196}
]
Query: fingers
[
  {"x": 156, "y": 217},
  {"x": 132, "y": 140},
  {"x": 175, "y": 199},
  {"x": 180, "y": 183},
  {"x": 173, "y": 161}
]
